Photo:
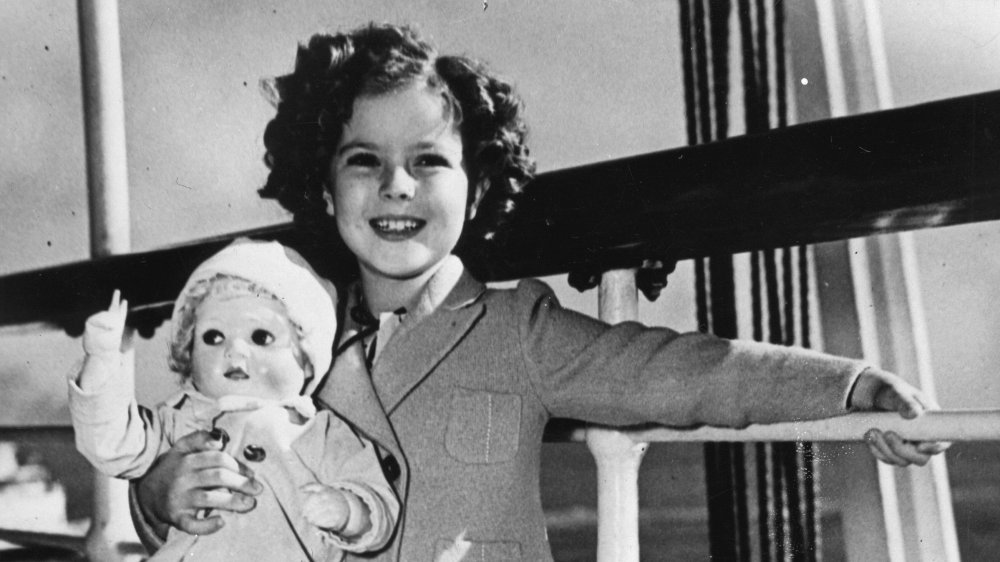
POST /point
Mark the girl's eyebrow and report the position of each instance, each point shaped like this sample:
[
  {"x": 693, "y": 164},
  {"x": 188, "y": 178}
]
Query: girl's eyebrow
[
  {"x": 424, "y": 145},
  {"x": 432, "y": 145},
  {"x": 354, "y": 145}
]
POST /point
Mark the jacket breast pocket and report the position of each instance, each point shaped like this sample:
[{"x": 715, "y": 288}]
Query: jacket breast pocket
[{"x": 483, "y": 427}]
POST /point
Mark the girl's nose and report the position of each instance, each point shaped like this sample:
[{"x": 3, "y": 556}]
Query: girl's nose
[{"x": 398, "y": 184}]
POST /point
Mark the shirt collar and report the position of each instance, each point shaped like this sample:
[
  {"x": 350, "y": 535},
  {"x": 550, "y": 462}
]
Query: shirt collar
[{"x": 451, "y": 287}]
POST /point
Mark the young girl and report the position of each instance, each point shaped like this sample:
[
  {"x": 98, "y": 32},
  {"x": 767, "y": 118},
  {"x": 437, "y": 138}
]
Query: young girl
[
  {"x": 409, "y": 153},
  {"x": 252, "y": 334}
]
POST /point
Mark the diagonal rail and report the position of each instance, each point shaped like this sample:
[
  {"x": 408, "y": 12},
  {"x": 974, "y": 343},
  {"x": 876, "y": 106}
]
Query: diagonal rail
[{"x": 923, "y": 166}]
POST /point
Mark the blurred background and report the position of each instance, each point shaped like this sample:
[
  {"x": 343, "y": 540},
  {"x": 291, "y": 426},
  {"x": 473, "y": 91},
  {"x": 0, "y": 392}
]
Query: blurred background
[{"x": 600, "y": 80}]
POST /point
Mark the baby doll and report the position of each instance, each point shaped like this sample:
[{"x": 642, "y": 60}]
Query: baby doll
[{"x": 252, "y": 337}]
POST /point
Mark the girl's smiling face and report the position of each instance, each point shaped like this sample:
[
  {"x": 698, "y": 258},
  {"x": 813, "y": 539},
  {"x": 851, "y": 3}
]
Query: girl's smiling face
[{"x": 400, "y": 189}]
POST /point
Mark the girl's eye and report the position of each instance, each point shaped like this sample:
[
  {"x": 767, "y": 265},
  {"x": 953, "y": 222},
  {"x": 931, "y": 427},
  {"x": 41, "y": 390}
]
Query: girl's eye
[
  {"x": 212, "y": 337},
  {"x": 432, "y": 160},
  {"x": 363, "y": 159},
  {"x": 262, "y": 337}
]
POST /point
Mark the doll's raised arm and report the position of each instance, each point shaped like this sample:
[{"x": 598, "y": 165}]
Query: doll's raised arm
[
  {"x": 119, "y": 437},
  {"x": 102, "y": 341}
]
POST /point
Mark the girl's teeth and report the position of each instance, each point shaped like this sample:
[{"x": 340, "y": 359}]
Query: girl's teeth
[{"x": 396, "y": 225}]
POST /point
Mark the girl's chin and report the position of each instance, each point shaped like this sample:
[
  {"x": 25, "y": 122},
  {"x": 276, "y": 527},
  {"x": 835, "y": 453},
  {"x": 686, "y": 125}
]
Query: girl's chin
[{"x": 396, "y": 271}]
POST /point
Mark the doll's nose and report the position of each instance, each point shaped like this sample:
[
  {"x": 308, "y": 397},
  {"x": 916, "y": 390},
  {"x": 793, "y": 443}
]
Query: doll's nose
[
  {"x": 398, "y": 184},
  {"x": 237, "y": 349}
]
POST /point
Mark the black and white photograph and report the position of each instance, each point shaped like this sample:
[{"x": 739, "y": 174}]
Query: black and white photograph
[{"x": 496, "y": 280}]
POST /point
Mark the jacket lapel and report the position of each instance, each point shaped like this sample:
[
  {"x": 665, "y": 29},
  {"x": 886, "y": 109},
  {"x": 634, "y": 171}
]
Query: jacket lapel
[
  {"x": 417, "y": 347},
  {"x": 348, "y": 391}
]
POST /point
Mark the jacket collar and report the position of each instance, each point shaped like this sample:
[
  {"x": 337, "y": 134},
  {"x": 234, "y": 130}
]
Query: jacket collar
[
  {"x": 445, "y": 311},
  {"x": 424, "y": 341}
]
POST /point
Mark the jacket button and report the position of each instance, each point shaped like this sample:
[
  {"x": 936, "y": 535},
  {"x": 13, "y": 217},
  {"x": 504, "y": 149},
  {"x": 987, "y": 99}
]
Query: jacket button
[
  {"x": 219, "y": 434},
  {"x": 253, "y": 453},
  {"x": 390, "y": 467}
]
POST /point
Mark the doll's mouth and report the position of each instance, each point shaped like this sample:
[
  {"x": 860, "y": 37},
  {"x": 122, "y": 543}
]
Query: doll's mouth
[{"x": 236, "y": 374}]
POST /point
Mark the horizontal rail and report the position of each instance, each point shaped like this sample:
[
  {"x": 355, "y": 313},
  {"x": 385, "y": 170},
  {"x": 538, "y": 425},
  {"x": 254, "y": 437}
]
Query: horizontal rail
[{"x": 939, "y": 425}]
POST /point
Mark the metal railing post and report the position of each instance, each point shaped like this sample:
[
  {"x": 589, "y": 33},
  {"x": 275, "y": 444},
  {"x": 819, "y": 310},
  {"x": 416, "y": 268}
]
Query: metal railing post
[
  {"x": 617, "y": 456},
  {"x": 111, "y": 536}
]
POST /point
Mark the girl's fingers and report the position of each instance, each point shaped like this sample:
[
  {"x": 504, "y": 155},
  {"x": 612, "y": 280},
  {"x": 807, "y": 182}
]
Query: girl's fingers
[
  {"x": 196, "y": 442},
  {"x": 878, "y": 447},
  {"x": 208, "y": 467},
  {"x": 891, "y": 448},
  {"x": 115, "y": 298},
  {"x": 906, "y": 402},
  {"x": 933, "y": 447},
  {"x": 215, "y": 477},
  {"x": 905, "y": 450},
  {"x": 215, "y": 469},
  {"x": 926, "y": 401},
  {"x": 222, "y": 499},
  {"x": 195, "y": 526}
]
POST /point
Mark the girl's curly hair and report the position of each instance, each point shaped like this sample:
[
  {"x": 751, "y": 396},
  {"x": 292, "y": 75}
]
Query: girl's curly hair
[{"x": 317, "y": 98}]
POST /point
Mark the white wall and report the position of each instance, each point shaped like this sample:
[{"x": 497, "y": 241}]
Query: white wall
[
  {"x": 600, "y": 79},
  {"x": 939, "y": 49}
]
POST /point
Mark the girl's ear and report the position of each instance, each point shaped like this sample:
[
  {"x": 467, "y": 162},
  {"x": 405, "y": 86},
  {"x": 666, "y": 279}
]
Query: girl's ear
[
  {"x": 328, "y": 197},
  {"x": 477, "y": 198}
]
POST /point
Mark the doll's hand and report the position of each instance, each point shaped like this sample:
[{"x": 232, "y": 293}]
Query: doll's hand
[
  {"x": 194, "y": 476},
  {"x": 326, "y": 507},
  {"x": 876, "y": 389},
  {"x": 104, "y": 331}
]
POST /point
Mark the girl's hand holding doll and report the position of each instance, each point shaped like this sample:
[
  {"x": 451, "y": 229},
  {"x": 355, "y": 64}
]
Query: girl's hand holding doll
[
  {"x": 195, "y": 476},
  {"x": 876, "y": 389}
]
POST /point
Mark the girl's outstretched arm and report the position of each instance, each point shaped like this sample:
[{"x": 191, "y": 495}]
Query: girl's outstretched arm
[
  {"x": 625, "y": 374},
  {"x": 193, "y": 476}
]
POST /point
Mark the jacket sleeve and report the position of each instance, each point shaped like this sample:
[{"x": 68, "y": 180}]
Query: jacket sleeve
[
  {"x": 584, "y": 369},
  {"x": 349, "y": 462},
  {"x": 119, "y": 437}
]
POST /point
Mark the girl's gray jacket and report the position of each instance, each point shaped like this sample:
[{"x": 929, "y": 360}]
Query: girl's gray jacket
[{"x": 465, "y": 393}]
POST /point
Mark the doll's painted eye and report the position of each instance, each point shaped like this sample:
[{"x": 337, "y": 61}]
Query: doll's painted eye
[
  {"x": 212, "y": 337},
  {"x": 262, "y": 337}
]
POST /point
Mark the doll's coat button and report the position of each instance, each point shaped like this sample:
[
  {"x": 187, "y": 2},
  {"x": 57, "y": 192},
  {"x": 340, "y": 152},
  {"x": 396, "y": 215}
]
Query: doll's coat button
[
  {"x": 219, "y": 434},
  {"x": 254, "y": 453}
]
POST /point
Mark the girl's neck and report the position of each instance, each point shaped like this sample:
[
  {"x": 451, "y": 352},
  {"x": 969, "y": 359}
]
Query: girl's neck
[{"x": 386, "y": 294}]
